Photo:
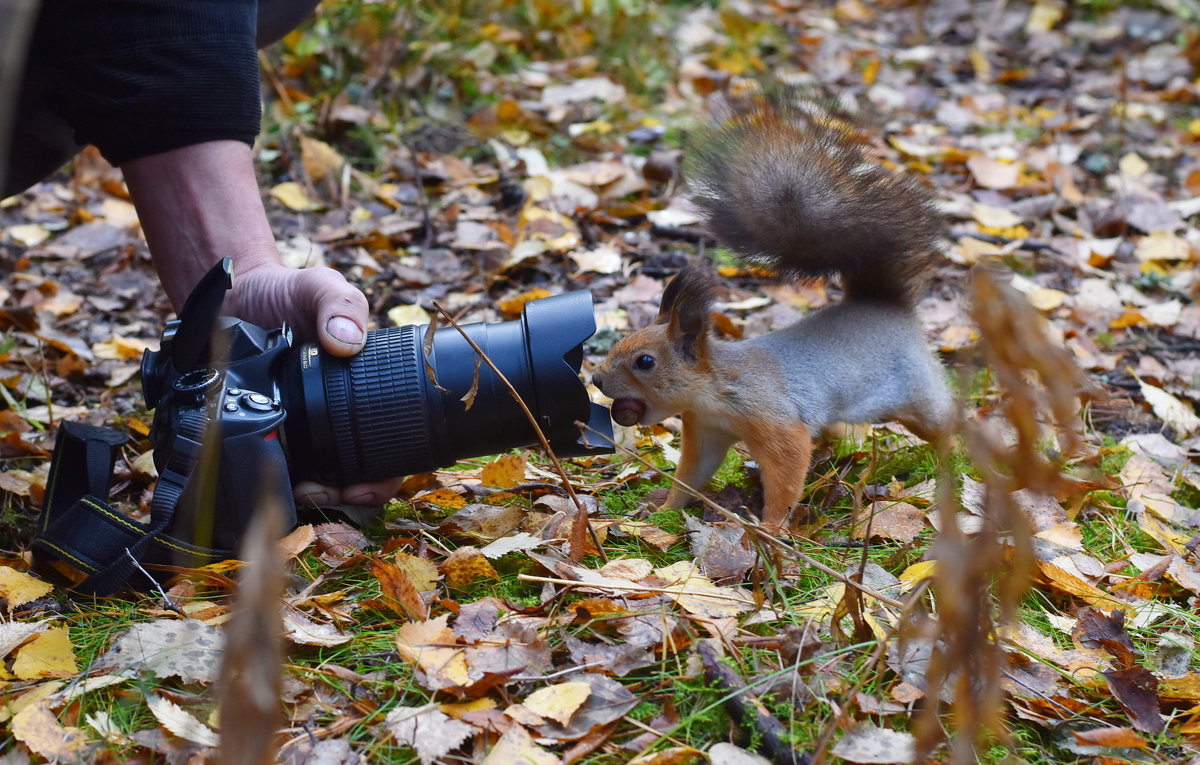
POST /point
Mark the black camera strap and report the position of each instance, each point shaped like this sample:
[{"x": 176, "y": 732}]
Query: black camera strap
[{"x": 80, "y": 528}]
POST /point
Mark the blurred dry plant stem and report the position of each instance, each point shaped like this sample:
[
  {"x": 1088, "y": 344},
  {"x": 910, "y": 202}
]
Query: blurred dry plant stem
[
  {"x": 252, "y": 669},
  {"x": 1042, "y": 390},
  {"x": 16, "y": 24}
]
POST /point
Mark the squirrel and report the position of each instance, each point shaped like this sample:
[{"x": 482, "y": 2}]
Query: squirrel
[{"x": 786, "y": 186}]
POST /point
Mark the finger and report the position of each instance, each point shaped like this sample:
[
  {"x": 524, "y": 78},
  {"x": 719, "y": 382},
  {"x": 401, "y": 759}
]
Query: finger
[
  {"x": 341, "y": 310},
  {"x": 312, "y": 494},
  {"x": 376, "y": 493}
]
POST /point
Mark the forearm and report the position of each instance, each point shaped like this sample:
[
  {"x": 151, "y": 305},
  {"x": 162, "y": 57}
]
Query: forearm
[{"x": 198, "y": 204}]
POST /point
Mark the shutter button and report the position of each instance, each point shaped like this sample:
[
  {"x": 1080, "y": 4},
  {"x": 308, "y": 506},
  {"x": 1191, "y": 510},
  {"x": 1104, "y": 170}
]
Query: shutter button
[{"x": 257, "y": 401}]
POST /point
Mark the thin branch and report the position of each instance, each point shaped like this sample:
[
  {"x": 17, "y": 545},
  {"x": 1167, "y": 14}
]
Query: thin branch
[{"x": 583, "y": 516}]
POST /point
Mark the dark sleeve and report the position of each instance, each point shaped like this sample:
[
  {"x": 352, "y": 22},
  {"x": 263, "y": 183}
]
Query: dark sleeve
[{"x": 140, "y": 77}]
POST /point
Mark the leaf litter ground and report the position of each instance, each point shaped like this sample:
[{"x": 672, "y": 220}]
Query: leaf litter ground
[{"x": 460, "y": 625}]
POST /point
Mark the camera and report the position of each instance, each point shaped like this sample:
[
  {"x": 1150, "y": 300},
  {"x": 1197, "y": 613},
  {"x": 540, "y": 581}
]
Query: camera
[{"x": 241, "y": 411}]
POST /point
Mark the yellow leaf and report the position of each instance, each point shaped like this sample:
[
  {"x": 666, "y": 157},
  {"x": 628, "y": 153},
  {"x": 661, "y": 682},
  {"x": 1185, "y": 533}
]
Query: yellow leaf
[
  {"x": 1042, "y": 18},
  {"x": 1162, "y": 245},
  {"x": 432, "y": 646},
  {"x": 505, "y": 472},
  {"x": 918, "y": 572},
  {"x": 121, "y": 348},
  {"x": 475, "y": 705},
  {"x": 320, "y": 159},
  {"x": 1171, "y": 410},
  {"x": 697, "y": 594},
  {"x": 28, "y": 234},
  {"x": 18, "y": 588},
  {"x": 558, "y": 702},
  {"x": 292, "y": 195},
  {"x": 50, "y": 654},
  {"x": 1063, "y": 580},
  {"x": 403, "y": 315},
  {"x": 1133, "y": 165},
  {"x": 1046, "y": 299},
  {"x": 37, "y": 728},
  {"x": 465, "y": 565},
  {"x": 423, "y": 573},
  {"x": 513, "y": 306},
  {"x": 517, "y": 746},
  {"x": 444, "y": 498}
]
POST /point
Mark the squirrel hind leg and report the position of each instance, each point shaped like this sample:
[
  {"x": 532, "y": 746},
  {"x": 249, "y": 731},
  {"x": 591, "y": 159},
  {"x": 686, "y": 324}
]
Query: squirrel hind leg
[{"x": 784, "y": 454}]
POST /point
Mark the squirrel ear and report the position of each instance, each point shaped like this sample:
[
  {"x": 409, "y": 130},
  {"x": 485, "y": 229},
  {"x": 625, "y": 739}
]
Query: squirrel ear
[{"x": 686, "y": 307}]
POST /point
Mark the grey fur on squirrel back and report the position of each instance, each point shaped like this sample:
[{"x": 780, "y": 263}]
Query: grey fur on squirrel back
[{"x": 786, "y": 186}]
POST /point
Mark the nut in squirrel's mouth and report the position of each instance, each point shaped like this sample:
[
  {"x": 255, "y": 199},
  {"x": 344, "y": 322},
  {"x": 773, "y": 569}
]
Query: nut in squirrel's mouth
[{"x": 628, "y": 411}]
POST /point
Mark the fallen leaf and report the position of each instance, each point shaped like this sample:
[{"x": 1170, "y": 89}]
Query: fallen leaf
[
  {"x": 184, "y": 648},
  {"x": 291, "y": 195},
  {"x": 1112, "y": 736},
  {"x": 895, "y": 520},
  {"x": 301, "y": 630},
  {"x": 177, "y": 720},
  {"x": 675, "y": 755},
  {"x": 319, "y": 158},
  {"x": 13, "y": 634},
  {"x": 516, "y": 543},
  {"x": 1171, "y": 410},
  {"x": 399, "y": 592},
  {"x": 698, "y": 595},
  {"x": 37, "y": 728},
  {"x": 465, "y": 565},
  {"x": 421, "y": 572},
  {"x": 122, "y": 348},
  {"x": 296, "y": 542},
  {"x": 427, "y": 730},
  {"x": 50, "y": 654},
  {"x": 516, "y": 746},
  {"x": 504, "y": 472},
  {"x": 558, "y": 702},
  {"x": 866, "y": 743},
  {"x": 435, "y": 650},
  {"x": 18, "y": 588},
  {"x": 1136, "y": 689}
]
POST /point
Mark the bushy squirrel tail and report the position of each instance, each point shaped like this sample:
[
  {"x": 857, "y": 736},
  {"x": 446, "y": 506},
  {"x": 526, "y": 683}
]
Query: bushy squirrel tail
[{"x": 786, "y": 185}]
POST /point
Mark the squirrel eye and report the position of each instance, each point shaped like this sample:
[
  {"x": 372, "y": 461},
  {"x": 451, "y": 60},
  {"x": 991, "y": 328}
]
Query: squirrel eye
[{"x": 644, "y": 361}]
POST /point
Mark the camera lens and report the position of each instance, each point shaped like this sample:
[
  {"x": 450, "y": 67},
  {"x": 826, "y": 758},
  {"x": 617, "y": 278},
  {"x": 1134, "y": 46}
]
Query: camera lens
[{"x": 378, "y": 415}]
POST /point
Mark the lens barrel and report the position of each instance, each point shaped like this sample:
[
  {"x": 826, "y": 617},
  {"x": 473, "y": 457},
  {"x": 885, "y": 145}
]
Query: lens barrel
[{"x": 378, "y": 415}]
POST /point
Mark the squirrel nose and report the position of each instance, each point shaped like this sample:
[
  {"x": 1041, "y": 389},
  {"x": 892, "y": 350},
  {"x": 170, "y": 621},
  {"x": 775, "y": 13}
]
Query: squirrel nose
[{"x": 597, "y": 380}]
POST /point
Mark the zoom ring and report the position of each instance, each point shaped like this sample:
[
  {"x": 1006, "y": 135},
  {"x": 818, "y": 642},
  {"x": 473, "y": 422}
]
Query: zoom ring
[{"x": 389, "y": 427}]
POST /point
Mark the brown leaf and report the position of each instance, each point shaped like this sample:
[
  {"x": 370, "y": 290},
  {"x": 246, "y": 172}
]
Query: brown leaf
[
  {"x": 1095, "y": 628},
  {"x": 895, "y": 520},
  {"x": 399, "y": 592},
  {"x": 337, "y": 543},
  {"x": 516, "y": 745},
  {"x": 1123, "y": 737},
  {"x": 477, "y": 619},
  {"x": 722, "y": 551},
  {"x": 1137, "y": 691}
]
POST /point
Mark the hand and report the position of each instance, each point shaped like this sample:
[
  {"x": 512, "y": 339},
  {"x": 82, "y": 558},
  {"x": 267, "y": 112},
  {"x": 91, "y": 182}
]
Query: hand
[
  {"x": 319, "y": 302},
  {"x": 200, "y": 203}
]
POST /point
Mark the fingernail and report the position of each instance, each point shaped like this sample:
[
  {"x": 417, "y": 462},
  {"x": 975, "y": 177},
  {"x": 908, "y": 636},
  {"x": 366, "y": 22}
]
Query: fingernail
[
  {"x": 344, "y": 330},
  {"x": 317, "y": 499},
  {"x": 366, "y": 498}
]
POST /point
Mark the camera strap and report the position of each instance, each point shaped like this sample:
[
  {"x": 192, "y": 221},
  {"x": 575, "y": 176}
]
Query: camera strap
[{"x": 80, "y": 528}]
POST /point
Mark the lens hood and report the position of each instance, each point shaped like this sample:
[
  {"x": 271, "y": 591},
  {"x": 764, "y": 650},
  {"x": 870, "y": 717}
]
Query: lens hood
[{"x": 379, "y": 414}]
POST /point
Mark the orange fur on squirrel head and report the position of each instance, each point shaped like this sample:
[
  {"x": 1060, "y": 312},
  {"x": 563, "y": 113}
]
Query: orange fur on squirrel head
[{"x": 647, "y": 373}]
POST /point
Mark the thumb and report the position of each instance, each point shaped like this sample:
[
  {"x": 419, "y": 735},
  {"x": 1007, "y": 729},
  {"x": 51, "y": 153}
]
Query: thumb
[{"x": 341, "y": 311}]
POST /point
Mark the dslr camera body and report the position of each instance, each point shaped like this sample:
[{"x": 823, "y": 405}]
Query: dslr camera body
[{"x": 241, "y": 412}]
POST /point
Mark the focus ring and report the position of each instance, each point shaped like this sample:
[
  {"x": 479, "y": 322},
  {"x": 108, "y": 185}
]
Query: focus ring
[{"x": 385, "y": 417}]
